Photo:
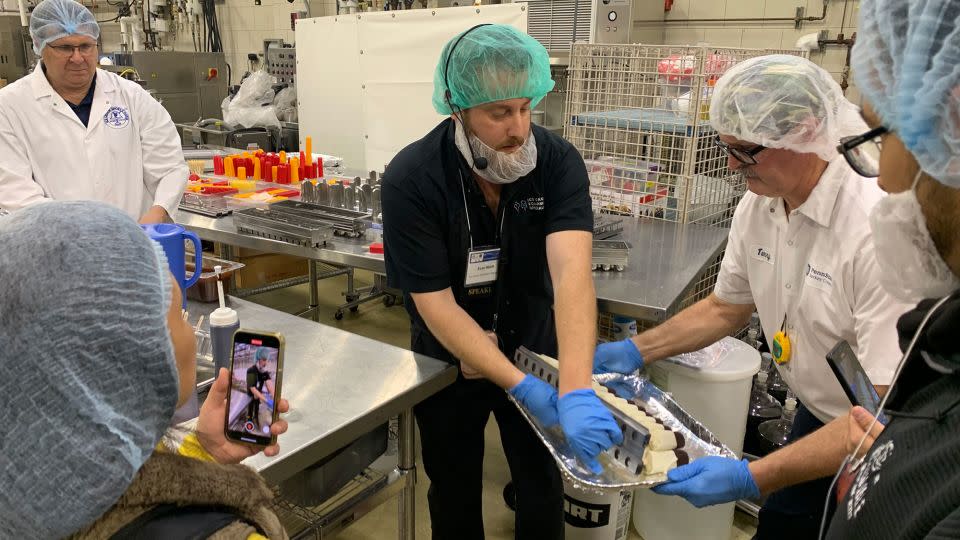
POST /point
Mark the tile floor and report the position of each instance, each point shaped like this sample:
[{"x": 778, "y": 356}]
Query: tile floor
[{"x": 391, "y": 325}]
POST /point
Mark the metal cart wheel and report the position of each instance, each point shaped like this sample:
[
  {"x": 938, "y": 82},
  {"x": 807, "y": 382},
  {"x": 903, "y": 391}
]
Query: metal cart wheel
[{"x": 338, "y": 315}]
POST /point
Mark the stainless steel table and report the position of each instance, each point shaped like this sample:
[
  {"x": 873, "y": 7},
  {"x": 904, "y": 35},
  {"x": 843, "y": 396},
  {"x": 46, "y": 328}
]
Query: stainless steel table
[
  {"x": 665, "y": 261},
  {"x": 341, "y": 386}
]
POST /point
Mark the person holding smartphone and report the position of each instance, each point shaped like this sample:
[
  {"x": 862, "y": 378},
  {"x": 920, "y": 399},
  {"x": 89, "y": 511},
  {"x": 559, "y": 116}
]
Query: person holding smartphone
[
  {"x": 103, "y": 358},
  {"x": 905, "y": 477}
]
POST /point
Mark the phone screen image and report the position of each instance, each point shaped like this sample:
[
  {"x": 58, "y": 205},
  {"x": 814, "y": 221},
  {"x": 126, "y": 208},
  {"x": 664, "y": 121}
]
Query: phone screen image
[
  {"x": 255, "y": 369},
  {"x": 856, "y": 384}
]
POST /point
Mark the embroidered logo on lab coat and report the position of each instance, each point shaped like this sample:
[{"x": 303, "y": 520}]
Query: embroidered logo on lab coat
[
  {"x": 116, "y": 117},
  {"x": 818, "y": 278}
]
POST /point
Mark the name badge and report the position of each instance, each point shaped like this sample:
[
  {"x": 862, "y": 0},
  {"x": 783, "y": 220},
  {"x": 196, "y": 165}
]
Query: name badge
[{"x": 482, "y": 265}]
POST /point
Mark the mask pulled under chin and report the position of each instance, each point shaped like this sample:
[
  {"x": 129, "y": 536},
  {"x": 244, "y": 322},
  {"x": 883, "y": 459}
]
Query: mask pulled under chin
[
  {"x": 911, "y": 268},
  {"x": 502, "y": 168}
]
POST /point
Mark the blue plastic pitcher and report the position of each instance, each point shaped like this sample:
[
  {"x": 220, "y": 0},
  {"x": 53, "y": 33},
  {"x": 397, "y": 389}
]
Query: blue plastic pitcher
[{"x": 171, "y": 238}]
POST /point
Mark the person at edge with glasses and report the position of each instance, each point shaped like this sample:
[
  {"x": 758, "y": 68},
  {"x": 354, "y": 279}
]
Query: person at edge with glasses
[
  {"x": 70, "y": 131},
  {"x": 903, "y": 480},
  {"x": 800, "y": 253}
]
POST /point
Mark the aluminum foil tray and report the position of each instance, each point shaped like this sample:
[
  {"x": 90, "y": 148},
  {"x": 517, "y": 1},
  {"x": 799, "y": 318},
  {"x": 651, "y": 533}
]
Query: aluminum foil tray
[
  {"x": 610, "y": 255},
  {"x": 285, "y": 227},
  {"x": 345, "y": 222},
  {"x": 698, "y": 440}
]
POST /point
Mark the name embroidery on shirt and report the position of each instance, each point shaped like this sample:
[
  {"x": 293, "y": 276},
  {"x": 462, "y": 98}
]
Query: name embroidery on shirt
[
  {"x": 818, "y": 278},
  {"x": 534, "y": 204},
  {"x": 761, "y": 254},
  {"x": 116, "y": 117},
  {"x": 867, "y": 475}
]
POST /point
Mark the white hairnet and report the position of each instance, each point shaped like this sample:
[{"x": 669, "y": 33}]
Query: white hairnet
[
  {"x": 906, "y": 63},
  {"x": 55, "y": 19},
  {"x": 784, "y": 101}
]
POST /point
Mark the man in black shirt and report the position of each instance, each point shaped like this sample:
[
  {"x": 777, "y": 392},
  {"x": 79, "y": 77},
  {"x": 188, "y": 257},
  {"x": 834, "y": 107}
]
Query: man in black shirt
[
  {"x": 904, "y": 481},
  {"x": 488, "y": 231},
  {"x": 257, "y": 377}
]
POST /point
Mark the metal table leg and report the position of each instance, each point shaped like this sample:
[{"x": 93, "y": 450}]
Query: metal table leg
[
  {"x": 407, "y": 465},
  {"x": 314, "y": 290}
]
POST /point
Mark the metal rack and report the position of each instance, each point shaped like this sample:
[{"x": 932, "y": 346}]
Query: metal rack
[{"x": 639, "y": 115}]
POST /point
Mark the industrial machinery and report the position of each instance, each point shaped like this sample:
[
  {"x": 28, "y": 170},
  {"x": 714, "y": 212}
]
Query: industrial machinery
[
  {"x": 280, "y": 60},
  {"x": 558, "y": 23},
  {"x": 190, "y": 85},
  {"x": 16, "y": 50}
]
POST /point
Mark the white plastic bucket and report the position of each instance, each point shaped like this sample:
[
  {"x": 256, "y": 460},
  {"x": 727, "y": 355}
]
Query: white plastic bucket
[
  {"x": 717, "y": 395},
  {"x": 593, "y": 516}
]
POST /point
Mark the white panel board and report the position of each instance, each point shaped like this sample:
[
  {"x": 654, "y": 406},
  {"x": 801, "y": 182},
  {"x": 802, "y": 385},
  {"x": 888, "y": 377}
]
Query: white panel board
[
  {"x": 328, "y": 87},
  {"x": 390, "y": 62}
]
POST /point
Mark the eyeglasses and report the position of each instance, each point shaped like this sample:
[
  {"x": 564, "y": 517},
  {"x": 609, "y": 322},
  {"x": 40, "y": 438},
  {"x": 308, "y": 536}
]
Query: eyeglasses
[
  {"x": 863, "y": 152},
  {"x": 743, "y": 156},
  {"x": 66, "y": 51}
]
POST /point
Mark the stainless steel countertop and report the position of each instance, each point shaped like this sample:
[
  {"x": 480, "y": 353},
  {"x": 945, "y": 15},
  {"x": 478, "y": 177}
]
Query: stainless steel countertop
[
  {"x": 340, "y": 251},
  {"x": 665, "y": 260},
  {"x": 339, "y": 385}
]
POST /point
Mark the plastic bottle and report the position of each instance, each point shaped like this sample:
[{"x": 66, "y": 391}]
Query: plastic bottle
[
  {"x": 224, "y": 322},
  {"x": 763, "y": 408},
  {"x": 775, "y": 433}
]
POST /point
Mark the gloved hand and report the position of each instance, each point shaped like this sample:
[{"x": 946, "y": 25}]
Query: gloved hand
[
  {"x": 710, "y": 480},
  {"x": 588, "y": 426},
  {"x": 539, "y": 398},
  {"x": 617, "y": 357}
]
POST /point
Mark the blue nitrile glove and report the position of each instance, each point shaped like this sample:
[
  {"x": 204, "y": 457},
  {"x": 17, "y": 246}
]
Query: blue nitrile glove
[
  {"x": 710, "y": 480},
  {"x": 539, "y": 398},
  {"x": 588, "y": 425},
  {"x": 617, "y": 357}
]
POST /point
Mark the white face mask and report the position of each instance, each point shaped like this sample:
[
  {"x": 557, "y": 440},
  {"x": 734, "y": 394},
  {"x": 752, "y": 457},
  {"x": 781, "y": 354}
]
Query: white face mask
[
  {"x": 911, "y": 268},
  {"x": 502, "y": 168}
]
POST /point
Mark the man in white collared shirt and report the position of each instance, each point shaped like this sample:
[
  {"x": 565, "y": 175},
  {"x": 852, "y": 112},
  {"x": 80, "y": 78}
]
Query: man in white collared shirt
[
  {"x": 800, "y": 253},
  {"x": 69, "y": 131}
]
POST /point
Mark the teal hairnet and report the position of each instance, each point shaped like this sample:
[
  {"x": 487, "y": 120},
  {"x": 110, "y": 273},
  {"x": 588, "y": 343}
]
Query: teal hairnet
[
  {"x": 784, "y": 101},
  {"x": 262, "y": 354},
  {"x": 55, "y": 19},
  {"x": 491, "y": 63},
  {"x": 906, "y": 63}
]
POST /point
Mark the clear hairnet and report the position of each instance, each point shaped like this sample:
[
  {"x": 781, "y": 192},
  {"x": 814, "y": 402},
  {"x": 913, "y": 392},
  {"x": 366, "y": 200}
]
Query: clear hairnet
[
  {"x": 491, "y": 63},
  {"x": 55, "y": 19},
  {"x": 784, "y": 101},
  {"x": 906, "y": 63},
  {"x": 90, "y": 381}
]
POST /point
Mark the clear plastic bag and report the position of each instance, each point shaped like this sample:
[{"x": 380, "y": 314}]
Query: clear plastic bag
[
  {"x": 253, "y": 104},
  {"x": 286, "y": 104}
]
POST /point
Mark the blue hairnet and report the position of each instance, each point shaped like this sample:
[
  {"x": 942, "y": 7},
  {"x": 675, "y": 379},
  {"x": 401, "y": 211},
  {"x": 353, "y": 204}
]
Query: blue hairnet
[
  {"x": 262, "y": 354},
  {"x": 491, "y": 63},
  {"x": 55, "y": 19},
  {"x": 90, "y": 382},
  {"x": 784, "y": 101},
  {"x": 906, "y": 63}
]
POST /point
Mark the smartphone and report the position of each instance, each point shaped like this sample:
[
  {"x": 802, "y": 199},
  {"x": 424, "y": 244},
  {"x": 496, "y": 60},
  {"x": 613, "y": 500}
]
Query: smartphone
[
  {"x": 256, "y": 371},
  {"x": 854, "y": 380}
]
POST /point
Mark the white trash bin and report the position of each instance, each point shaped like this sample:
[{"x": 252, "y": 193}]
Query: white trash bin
[{"x": 718, "y": 395}]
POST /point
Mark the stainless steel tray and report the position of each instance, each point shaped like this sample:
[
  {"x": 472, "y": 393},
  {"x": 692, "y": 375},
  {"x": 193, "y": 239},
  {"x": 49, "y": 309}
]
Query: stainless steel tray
[
  {"x": 345, "y": 221},
  {"x": 610, "y": 255},
  {"x": 698, "y": 440},
  {"x": 285, "y": 227}
]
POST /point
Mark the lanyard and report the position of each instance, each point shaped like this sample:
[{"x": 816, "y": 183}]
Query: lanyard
[{"x": 498, "y": 290}]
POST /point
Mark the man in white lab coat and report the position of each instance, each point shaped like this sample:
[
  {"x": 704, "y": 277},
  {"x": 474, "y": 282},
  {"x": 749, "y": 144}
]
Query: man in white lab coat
[
  {"x": 800, "y": 252},
  {"x": 69, "y": 131}
]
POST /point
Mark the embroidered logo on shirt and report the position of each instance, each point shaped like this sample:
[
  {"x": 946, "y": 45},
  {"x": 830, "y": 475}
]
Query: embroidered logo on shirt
[
  {"x": 867, "y": 475},
  {"x": 534, "y": 204},
  {"x": 116, "y": 117},
  {"x": 818, "y": 278},
  {"x": 762, "y": 254}
]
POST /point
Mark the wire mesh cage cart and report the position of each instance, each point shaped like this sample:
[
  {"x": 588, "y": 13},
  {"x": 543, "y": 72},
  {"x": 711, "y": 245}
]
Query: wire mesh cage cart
[{"x": 640, "y": 116}]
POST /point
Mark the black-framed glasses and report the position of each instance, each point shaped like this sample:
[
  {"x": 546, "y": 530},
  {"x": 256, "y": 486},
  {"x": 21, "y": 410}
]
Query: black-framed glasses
[
  {"x": 743, "y": 156},
  {"x": 862, "y": 152},
  {"x": 66, "y": 51}
]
